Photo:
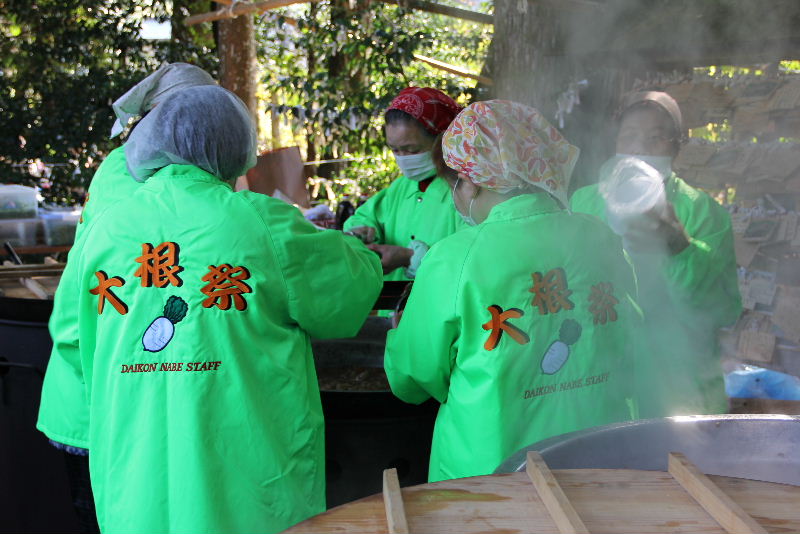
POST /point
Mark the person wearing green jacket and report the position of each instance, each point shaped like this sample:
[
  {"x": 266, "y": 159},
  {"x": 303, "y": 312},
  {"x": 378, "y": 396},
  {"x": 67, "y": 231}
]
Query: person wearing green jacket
[
  {"x": 683, "y": 254},
  {"x": 403, "y": 221},
  {"x": 518, "y": 325},
  {"x": 110, "y": 183},
  {"x": 191, "y": 334}
]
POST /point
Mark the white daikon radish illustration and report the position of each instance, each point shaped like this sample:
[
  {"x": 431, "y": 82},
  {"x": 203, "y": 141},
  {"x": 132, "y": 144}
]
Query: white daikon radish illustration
[
  {"x": 557, "y": 353},
  {"x": 160, "y": 332}
]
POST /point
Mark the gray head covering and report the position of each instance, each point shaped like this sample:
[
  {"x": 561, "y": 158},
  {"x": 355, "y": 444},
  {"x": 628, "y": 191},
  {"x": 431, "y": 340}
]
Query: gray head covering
[
  {"x": 144, "y": 96},
  {"x": 659, "y": 99},
  {"x": 208, "y": 127}
]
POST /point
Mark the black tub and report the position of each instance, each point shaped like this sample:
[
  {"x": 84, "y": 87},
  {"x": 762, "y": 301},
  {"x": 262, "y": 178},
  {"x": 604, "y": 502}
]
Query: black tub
[
  {"x": 369, "y": 431},
  {"x": 366, "y": 431},
  {"x": 34, "y": 494}
]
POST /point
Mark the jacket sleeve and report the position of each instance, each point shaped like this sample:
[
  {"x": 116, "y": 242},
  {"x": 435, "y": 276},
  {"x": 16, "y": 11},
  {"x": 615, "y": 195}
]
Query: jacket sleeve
[
  {"x": 371, "y": 213},
  {"x": 64, "y": 409},
  {"x": 332, "y": 280},
  {"x": 705, "y": 271},
  {"x": 588, "y": 200},
  {"x": 421, "y": 352},
  {"x": 101, "y": 189}
]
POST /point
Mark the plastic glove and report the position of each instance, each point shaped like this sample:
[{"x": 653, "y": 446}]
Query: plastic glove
[
  {"x": 365, "y": 233},
  {"x": 419, "y": 248}
]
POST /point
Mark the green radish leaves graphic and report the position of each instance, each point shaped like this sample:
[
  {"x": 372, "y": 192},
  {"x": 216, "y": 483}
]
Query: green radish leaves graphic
[
  {"x": 557, "y": 353},
  {"x": 160, "y": 332}
]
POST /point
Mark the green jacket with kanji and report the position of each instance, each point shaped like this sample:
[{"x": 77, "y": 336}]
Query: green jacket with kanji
[
  {"x": 685, "y": 298},
  {"x": 402, "y": 213},
  {"x": 519, "y": 327},
  {"x": 193, "y": 310}
]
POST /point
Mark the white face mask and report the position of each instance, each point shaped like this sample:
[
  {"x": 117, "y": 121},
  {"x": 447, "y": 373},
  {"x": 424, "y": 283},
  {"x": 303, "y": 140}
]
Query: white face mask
[
  {"x": 416, "y": 167},
  {"x": 468, "y": 220},
  {"x": 663, "y": 164}
]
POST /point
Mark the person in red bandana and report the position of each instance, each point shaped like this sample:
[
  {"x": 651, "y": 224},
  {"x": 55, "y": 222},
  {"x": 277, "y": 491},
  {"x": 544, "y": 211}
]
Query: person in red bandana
[{"x": 404, "y": 220}]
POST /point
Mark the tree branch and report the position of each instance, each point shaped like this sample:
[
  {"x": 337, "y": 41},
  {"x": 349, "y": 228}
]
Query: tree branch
[
  {"x": 431, "y": 7},
  {"x": 234, "y": 10},
  {"x": 453, "y": 69}
]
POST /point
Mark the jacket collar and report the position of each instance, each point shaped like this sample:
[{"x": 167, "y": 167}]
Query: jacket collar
[
  {"x": 186, "y": 172},
  {"x": 437, "y": 187},
  {"x": 526, "y": 205}
]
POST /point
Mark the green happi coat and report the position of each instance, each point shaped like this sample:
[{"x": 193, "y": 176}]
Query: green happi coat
[
  {"x": 63, "y": 387},
  {"x": 111, "y": 182},
  {"x": 192, "y": 308},
  {"x": 519, "y": 326},
  {"x": 686, "y": 298},
  {"x": 402, "y": 213}
]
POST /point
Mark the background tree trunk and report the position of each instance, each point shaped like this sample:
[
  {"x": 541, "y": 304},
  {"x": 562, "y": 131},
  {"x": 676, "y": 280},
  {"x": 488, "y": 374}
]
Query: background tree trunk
[
  {"x": 524, "y": 69},
  {"x": 236, "y": 47},
  {"x": 530, "y": 66}
]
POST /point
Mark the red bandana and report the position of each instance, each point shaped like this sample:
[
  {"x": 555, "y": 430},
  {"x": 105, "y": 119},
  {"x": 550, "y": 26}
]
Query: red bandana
[{"x": 431, "y": 107}]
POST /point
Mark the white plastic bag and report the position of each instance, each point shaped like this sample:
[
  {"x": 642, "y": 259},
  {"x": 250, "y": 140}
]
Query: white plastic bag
[{"x": 634, "y": 195}]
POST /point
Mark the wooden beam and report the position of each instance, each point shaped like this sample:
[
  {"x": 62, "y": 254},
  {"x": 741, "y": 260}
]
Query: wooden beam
[
  {"x": 289, "y": 20},
  {"x": 393, "y": 503},
  {"x": 573, "y": 5},
  {"x": 9, "y": 270},
  {"x": 453, "y": 69},
  {"x": 231, "y": 10},
  {"x": 431, "y": 7},
  {"x": 240, "y": 8},
  {"x": 670, "y": 57},
  {"x": 727, "y": 513},
  {"x": 28, "y": 273},
  {"x": 37, "y": 289},
  {"x": 41, "y": 249},
  {"x": 564, "y": 515}
]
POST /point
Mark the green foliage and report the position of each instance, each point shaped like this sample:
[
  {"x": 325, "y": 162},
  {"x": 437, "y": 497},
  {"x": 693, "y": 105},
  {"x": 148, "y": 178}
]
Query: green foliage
[
  {"x": 729, "y": 70},
  {"x": 714, "y": 132},
  {"x": 362, "y": 178},
  {"x": 337, "y": 69},
  {"x": 792, "y": 67},
  {"x": 455, "y": 41},
  {"x": 63, "y": 63}
]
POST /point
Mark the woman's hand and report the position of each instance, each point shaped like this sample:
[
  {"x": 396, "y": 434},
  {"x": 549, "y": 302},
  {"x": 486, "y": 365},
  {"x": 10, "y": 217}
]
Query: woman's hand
[
  {"x": 661, "y": 226},
  {"x": 365, "y": 233},
  {"x": 392, "y": 256},
  {"x": 674, "y": 232}
]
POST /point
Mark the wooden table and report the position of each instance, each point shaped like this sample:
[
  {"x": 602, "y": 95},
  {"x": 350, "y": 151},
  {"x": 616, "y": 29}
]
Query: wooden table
[{"x": 606, "y": 500}]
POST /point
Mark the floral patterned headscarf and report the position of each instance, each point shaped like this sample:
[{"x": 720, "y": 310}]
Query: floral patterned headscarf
[{"x": 504, "y": 145}]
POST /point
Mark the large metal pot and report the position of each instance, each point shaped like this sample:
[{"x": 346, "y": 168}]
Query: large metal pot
[
  {"x": 758, "y": 447},
  {"x": 369, "y": 431}
]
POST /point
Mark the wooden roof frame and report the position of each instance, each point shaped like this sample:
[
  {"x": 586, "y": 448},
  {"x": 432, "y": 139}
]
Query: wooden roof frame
[{"x": 232, "y": 9}]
